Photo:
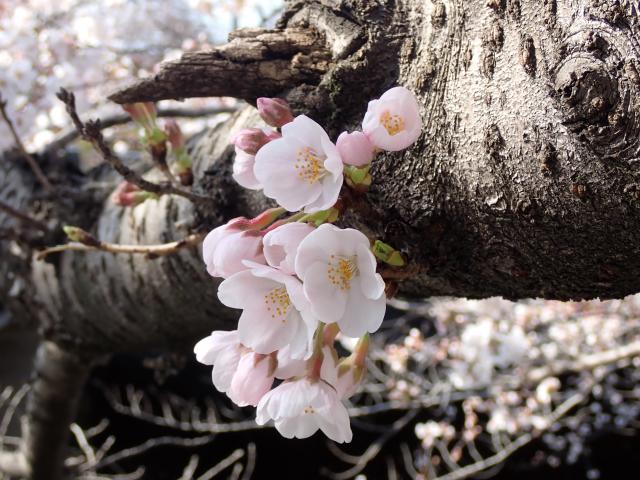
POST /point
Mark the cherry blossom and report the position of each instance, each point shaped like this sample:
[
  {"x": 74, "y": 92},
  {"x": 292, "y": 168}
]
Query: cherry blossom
[
  {"x": 340, "y": 279},
  {"x": 241, "y": 373},
  {"x": 225, "y": 248},
  {"x": 300, "y": 407},
  {"x": 222, "y": 350},
  {"x": 355, "y": 148},
  {"x": 243, "y": 164},
  {"x": 393, "y": 121},
  {"x": 301, "y": 170},
  {"x": 281, "y": 245},
  {"x": 275, "y": 311}
]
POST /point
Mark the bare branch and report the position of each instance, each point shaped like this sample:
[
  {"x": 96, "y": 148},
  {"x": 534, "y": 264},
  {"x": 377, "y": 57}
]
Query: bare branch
[
  {"x": 68, "y": 136},
  {"x": 256, "y": 62},
  {"x": 151, "y": 251},
  {"x": 23, "y": 217},
  {"x": 223, "y": 465},
  {"x": 33, "y": 164}
]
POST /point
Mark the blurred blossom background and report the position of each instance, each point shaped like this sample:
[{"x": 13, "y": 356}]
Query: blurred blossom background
[
  {"x": 455, "y": 389},
  {"x": 92, "y": 47}
]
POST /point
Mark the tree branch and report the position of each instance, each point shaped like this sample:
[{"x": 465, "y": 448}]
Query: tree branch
[
  {"x": 92, "y": 132},
  {"x": 72, "y": 134},
  {"x": 256, "y": 62},
  {"x": 33, "y": 164},
  {"x": 151, "y": 251},
  {"x": 23, "y": 217}
]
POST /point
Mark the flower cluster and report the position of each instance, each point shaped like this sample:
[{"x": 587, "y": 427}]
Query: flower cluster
[{"x": 299, "y": 280}]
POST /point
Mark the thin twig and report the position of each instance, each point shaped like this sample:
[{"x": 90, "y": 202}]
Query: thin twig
[
  {"x": 83, "y": 443},
  {"x": 11, "y": 410},
  {"x": 91, "y": 131},
  {"x": 374, "y": 449},
  {"x": 190, "y": 469},
  {"x": 120, "y": 119},
  {"x": 251, "y": 461},
  {"x": 149, "y": 445},
  {"x": 150, "y": 250},
  {"x": 33, "y": 164},
  {"x": 23, "y": 217},
  {"x": 223, "y": 465}
]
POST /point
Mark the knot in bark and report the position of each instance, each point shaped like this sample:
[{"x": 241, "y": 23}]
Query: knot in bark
[{"x": 587, "y": 91}]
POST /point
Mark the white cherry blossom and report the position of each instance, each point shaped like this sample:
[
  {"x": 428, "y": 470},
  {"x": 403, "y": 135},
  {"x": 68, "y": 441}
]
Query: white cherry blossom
[
  {"x": 275, "y": 311},
  {"x": 393, "y": 121},
  {"x": 301, "y": 170},
  {"x": 340, "y": 279},
  {"x": 300, "y": 407}
]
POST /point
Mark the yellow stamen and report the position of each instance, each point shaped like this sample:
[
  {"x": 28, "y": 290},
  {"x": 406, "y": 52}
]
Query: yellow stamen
[
  {"x": 278, "y": 303},
  {"x": 341, "y": 272},
  {"x": 394, "y": 124},
  {"x": 309, "y": 165}
]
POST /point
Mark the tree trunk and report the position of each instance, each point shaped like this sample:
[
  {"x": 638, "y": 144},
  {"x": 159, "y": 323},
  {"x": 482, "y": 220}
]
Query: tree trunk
[{"x": 525, "y": 182}]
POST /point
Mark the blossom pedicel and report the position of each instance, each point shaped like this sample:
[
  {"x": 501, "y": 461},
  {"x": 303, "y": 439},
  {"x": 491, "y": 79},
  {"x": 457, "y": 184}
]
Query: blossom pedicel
[{"x": 300, "y": 281}]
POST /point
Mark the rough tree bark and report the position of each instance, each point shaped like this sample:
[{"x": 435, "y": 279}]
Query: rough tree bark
[{"x": 525, "y": 182}]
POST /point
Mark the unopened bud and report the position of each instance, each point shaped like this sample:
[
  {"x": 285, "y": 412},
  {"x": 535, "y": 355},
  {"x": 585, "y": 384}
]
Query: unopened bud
[
  {"x": 274, "y": 111},
  {"x": 355, "y": 149},
  {"x": 129, "y": 195},
  {"x": 263, "y": 220},
  {"x": 76, "y": 234},
  {"x": 250, "y": 140},
  {"x": 174, "y": 134},
  {"x": 144, "y": 114}
]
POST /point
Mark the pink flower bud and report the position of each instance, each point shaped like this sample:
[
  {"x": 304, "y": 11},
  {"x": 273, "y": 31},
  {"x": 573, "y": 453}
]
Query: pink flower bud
[
  {"x": 355, "y": 148},
  {"x": 174, "y": 134},
  {"x": 225, "y": 249},
  {"x": 129, "y": 195},
  {"x": 258, "y": 222},
  {"x": 250, "y": 140},
  {"x": 274, "y": 111}
]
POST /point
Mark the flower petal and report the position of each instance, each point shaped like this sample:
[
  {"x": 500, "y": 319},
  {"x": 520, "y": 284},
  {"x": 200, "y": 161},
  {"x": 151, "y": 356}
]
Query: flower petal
[
  {"x": 371, "y": 282},
  {"x": 361, "y": 314},
  {"x": 328, "y": 303}
]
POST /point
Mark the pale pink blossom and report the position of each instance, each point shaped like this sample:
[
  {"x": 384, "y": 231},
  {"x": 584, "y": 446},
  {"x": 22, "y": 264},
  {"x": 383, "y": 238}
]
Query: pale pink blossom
[
  {"x": 355, "y": 148},
  {"x": 274, "y": 111},
  {"x": 226, "y": 247},
  {"x": 222, "y": 350},
  {"x": 237, "y": 371},
  {"x": 340, "y": 279},
  {"x": 300, "y": 407},
  {"x": 243, "y": 164},
  {"x": 252, "y": 379},
  {"x": 281, "y": 245},
  {"x": 301, "y": 170},
  {"x": 393, "y": 121},
  {"x": 275, "y": 312}
]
